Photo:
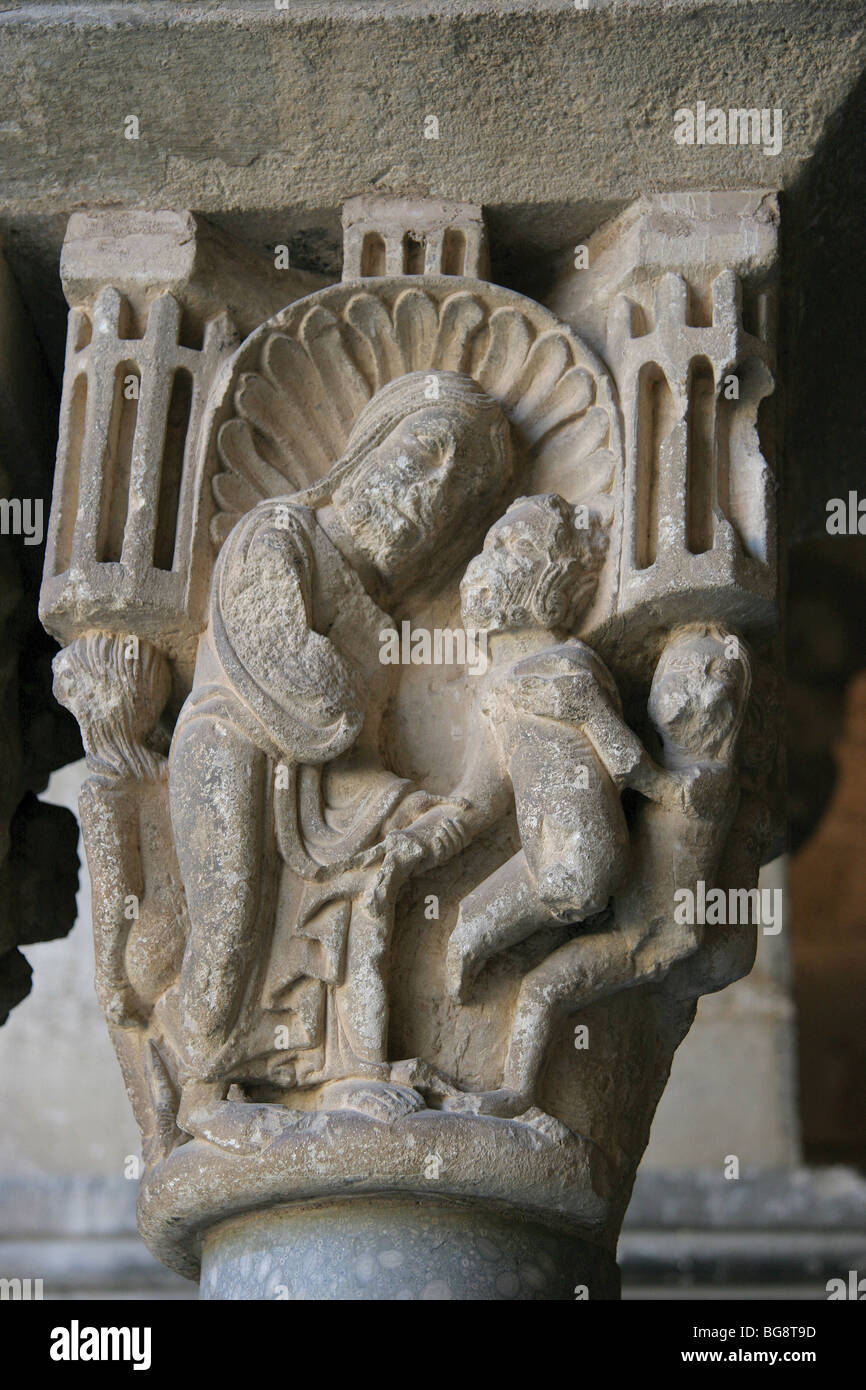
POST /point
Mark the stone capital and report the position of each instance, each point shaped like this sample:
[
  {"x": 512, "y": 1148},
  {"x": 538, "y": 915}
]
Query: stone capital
[{"x": 420, "y": 636}]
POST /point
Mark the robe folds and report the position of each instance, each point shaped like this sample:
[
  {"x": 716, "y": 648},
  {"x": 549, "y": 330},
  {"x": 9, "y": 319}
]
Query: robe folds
[{"x": 290, "y": 665}]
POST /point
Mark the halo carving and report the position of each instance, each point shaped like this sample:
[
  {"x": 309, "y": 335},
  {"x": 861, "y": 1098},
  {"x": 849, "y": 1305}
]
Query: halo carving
[{"x": 297, "y": 385}]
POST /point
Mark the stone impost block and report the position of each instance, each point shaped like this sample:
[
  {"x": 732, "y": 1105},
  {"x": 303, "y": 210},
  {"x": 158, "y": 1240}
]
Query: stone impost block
[
  {"x": 402, "y": 236},
  {"x": 147, "y": 254}
]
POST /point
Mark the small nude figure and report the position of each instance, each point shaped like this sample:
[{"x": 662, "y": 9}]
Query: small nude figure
[
  {"x": 525, "y": 591},
  {"x": 697, "y": 703},
  {"x": 549, "y": 732}
]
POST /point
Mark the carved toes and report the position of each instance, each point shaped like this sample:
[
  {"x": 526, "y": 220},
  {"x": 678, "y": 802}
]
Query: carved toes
[{"x": 378, "y": 1100}]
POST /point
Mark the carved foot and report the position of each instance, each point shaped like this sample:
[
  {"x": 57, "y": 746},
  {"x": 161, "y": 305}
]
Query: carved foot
[
  {"x": 461, "y": 970},
  {"x": 242, "y": 1127},
  {"x": 378, "y": 1100},
  {"x": 505, "y": 1103},
  {"x": 158, "y": 1142},
  {"x": 421, "y": 1076},
  {"x": 548, "y": 1125}
]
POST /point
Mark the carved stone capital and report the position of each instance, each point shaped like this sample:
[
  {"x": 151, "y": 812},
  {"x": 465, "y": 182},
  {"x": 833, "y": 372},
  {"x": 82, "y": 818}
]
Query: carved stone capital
[{"x": 422, "y": 666}]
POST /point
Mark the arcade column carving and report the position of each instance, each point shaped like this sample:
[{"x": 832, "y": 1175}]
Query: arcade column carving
[{"x": 421, "y": 640}]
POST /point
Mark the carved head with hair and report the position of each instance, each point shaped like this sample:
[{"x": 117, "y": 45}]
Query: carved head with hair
[
  {"x": 700, "y": 690},
  {"x": 430, "y": 460},
  {"x": 537, "y": 568},
  {"x": 117, "y": 687}
]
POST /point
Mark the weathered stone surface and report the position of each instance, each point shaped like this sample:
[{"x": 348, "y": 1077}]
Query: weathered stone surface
[
  {"x": 602, "y": 85},
  {"x": 406, "y": 761},
  {"x": 144, "y": 257}
]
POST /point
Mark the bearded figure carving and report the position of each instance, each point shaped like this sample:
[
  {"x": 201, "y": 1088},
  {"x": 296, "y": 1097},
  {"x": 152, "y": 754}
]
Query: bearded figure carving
[{"x": 276, "y": 780}]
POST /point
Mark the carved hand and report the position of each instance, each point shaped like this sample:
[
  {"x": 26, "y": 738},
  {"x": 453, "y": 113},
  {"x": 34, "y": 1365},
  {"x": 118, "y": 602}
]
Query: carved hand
[
  {"x": 433, "y": 839},
  {"x": 412, "y": 807},
  {"x": 572, "y": 696},
  {"x": 402, "y": 854}
]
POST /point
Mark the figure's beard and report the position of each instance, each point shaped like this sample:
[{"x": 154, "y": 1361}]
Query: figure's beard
[{"x": 393, "y": 530}]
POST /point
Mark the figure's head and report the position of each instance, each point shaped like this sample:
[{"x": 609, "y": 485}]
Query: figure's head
[
  {"x": 430, "y": 452},
  {"x": 116, "y": 686},
  {"x": 537, "y": 568},
  {"x": 700, "y": 690}
]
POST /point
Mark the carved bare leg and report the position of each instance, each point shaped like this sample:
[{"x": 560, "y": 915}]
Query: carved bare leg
[
  {"x": 574, "y": 976},
  {"x": 501, "y": 911},
  {"x": 581, "y": 973}
]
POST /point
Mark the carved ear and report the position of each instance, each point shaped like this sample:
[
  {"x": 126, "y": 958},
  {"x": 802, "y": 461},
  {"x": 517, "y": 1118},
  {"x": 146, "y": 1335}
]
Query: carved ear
[
  {"x": 439, "y": 436},
  {"x": 561, "y": 595}
]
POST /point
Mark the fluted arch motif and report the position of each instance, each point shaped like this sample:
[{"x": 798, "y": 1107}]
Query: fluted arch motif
[{"x": 297, "y": 385}]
